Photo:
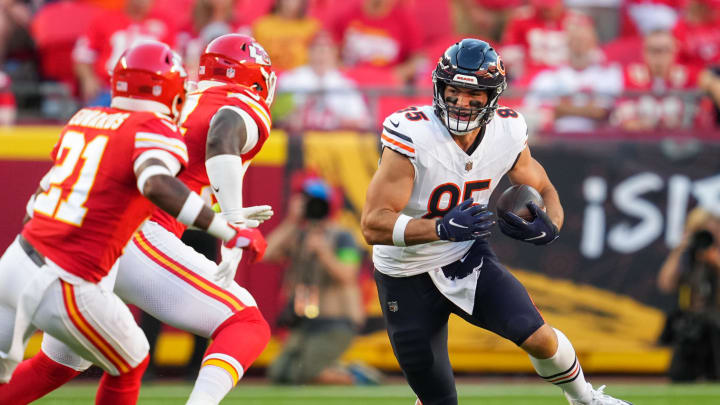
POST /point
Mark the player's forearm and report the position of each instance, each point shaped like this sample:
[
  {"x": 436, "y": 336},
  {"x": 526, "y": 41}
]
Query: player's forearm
[
  {"x": 170, "y": 195},
  {"x": 175, "y": 198},
  {"x": 378, "y": 227},
  {"x": 226, "y": 173},
  {"x": 552, "y": 205}
]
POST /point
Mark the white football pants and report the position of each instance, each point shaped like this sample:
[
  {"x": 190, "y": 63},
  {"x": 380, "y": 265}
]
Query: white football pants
[
  {"x": 170, "y": 281},
  {"x": 83, "y": 316}
]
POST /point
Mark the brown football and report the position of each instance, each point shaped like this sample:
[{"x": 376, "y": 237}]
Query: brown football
[{"x": 516, "y": 198}]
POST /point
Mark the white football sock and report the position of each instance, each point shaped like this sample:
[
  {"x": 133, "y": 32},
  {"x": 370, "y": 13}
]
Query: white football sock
[
  {"x": 211, "y": 386},
  {"x": 563, "y": 369}
]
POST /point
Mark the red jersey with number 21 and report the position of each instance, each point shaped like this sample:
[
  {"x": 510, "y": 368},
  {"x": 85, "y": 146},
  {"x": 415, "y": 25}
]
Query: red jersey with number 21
[
  {"x": 93, "y": 206},
  {"x": 198, "y": 111}
]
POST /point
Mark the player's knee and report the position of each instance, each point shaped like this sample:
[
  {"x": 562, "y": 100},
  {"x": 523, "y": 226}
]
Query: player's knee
[
  {"x": 126, "y": 375},
  {"x": 251, "y": 321},
  {"x": 140, "y": 368},
  {"x": 413, "y": 350},
  {"x": 521, "y": 328},
  {"x": 262, "y": 328},
  {"x": 542, "y": 343},
  {"x": 256, "y": 321}
]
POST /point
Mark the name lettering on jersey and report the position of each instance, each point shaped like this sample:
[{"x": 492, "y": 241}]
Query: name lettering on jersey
[{"x": 98, "y": 119}]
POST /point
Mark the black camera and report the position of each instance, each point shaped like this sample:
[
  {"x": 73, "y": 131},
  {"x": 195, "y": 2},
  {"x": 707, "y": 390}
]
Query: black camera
[
  {"x": 316, "y": 208},
  {"x": 317, "y": 199},
  {"x": 700, "y": 241}
]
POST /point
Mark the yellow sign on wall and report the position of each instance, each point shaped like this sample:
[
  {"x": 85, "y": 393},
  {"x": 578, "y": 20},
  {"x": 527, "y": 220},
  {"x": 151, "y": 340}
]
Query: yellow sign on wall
[{"x": 36, "y": 143}]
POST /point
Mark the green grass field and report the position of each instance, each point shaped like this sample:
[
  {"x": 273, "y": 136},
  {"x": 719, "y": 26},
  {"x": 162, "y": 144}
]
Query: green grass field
[{"x": 470, "y": 394}]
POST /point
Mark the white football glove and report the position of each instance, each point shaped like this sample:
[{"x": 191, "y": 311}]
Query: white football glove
[
  {"x": 225, "y": 274},
  {"x": 249, "y": 217}
]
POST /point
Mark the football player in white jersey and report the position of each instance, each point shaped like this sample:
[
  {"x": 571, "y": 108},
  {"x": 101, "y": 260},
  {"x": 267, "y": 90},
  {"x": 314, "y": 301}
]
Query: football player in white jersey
[{"x": 426, "y": 213}]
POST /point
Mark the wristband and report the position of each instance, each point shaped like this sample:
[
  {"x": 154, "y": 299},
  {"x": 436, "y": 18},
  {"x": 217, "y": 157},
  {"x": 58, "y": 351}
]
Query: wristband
[
  {"x": 148, "y": 172},
  {"x": 220, "y": 229},
  {"x": 191, "y": 209},
  {"x": 398, "y": 235}
]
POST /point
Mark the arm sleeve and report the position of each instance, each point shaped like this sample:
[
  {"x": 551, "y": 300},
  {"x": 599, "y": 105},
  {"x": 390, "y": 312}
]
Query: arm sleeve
[{"x": 226, "y": 173}]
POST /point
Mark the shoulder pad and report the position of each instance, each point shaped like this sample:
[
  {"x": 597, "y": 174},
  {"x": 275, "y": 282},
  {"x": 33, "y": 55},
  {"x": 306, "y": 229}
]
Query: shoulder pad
[
  {"x": 514, "y": 122},
  {"x": 253, "y": 104},
  {"x": 395, "y": 134}
]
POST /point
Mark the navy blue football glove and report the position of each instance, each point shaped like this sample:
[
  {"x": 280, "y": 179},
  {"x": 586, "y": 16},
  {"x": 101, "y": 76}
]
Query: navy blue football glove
[
  {"x": 465, "y": 222},
  {"x": 472, "y": 261},
  {"x": 541, "y": 231}
]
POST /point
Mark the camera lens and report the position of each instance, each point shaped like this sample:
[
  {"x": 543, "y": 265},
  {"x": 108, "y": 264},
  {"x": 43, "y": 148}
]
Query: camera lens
[
  {"x": 702, "y": 239},
  {"x": 316, "y": 208}
]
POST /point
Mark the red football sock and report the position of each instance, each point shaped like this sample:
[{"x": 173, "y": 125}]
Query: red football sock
[
  {"x": 243, "y": 337},
  {"x": 35, "y": 378},
  {"x": 236, "y": 344},
  {"x": 122, "y": 389}
]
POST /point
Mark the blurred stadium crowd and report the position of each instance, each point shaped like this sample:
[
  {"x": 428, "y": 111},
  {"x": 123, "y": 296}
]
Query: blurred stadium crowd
[{"x": 575, "y": 65}]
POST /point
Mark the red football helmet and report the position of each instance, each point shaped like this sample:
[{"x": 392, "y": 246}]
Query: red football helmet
[
  {"x": 150, "y": 70},
  {"x": 239, "y": 59}
]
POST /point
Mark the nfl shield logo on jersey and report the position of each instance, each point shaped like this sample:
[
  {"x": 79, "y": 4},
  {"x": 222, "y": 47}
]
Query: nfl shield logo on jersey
[
  {"x": 157, "y": 90},
  {"x": 393, "y": 306},
  {"x": 230, "y": 73},
  {"x": 468, "y": 166}
]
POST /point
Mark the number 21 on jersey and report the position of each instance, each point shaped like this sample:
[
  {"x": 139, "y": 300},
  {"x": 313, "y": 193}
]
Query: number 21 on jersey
[{"x": 70, "y": 209}]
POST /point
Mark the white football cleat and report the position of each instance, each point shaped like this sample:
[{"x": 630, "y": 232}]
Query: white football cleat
[{"x": 597, "y": 397}]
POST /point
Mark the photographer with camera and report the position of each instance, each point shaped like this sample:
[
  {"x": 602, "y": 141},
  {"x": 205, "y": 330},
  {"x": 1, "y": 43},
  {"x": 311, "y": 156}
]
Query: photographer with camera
[
  {"x": 324, "y": 307},
  {"x": 692, "y": 272}
]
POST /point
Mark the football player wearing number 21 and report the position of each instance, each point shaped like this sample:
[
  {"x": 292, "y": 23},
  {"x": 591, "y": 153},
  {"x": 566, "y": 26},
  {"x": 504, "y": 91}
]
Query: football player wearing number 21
[
  {"x": 225, "y": 124},
  {"x": 426, "y": 215},
  {"x": 110, "y": 166}
]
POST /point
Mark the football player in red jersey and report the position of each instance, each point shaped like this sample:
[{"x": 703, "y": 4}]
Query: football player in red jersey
[
  {"x": 225, "y": 123},
  {"x": 111, "y": 165}
]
